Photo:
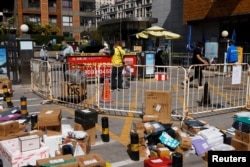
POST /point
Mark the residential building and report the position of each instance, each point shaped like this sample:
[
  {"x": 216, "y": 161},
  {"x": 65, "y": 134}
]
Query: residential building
[
  {"x": 124, "y": 18},
  {"x": 71, "y": 16}
]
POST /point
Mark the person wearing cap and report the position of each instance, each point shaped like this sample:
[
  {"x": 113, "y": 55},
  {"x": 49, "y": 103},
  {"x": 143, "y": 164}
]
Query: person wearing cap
[
  {"x": 44, "y": 53},
  {"x": 232, "y": 55}
]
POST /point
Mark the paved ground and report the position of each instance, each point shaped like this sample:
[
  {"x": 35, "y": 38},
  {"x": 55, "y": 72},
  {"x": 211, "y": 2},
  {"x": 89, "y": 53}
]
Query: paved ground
[{"x": 115, "y": 151}]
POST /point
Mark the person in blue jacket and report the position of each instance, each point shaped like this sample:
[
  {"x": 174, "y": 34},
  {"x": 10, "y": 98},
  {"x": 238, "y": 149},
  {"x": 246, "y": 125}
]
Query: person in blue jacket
[
  {"x": 232, "y": 56},
  {"x": 232, "y": 53}
]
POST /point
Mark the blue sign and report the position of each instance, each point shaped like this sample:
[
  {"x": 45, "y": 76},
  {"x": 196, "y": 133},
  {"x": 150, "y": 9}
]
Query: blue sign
[{"x": 3, "y": 61}]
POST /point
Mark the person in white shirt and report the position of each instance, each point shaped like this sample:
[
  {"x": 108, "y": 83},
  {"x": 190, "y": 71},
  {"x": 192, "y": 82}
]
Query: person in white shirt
[
  {"x": 66, "y": 51},
  {"x": 44, "y": 53}
]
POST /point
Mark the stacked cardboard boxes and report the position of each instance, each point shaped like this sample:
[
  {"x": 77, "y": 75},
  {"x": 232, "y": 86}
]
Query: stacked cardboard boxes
[
  {"x": 85, "y": 120},
  {"x": 49, "y": 119},
  {"x": 241, "y": 141}
]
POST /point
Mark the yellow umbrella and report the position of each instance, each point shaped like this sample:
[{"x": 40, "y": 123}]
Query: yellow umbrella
[{"x": 156, "y": 31}]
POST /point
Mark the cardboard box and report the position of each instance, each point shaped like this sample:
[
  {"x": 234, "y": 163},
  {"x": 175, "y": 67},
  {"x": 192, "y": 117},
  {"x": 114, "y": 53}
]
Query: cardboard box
[
  {"x": 53, "y": 143},
  {"x": 8, "y": 83},
  {"x": 72, "y": 89},
  {"x": 188, "y": 129},
  {"x": 28, "y": 143},
  {"x": 86, "y": 117},
  {"x": 240, "y": 145},
  {"x": 184, "y": 139},
  {"x": 238, "y": 135},
  {"x": 36, "y": 132},
  {"x": 8, "y": 127},
  {"x": 53, "y": 130},
  {"x": 84, "y": 144},
  {"x": 149, "y": 128},
  {"x": 91, "y": 130},
  {"x": 49, "y": 117},
  {"x": 245, "y": 137},
  {"x": 158, "y": 102},
  {"x": 153, "y": 117},
  {"x": 63, "y": 161},
  {"x": 91, "y": 160},
  {"x": 142, "y": 151},
  {"x": 11, "y": 155},
  {"x": 164, "y": 152},
  {"x": 138, "y": 126}
]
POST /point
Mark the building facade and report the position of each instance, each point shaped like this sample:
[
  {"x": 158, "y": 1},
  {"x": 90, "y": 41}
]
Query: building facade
[
  {"x": 121, "y": 20},
  {"x": 71, "y": 16},
  {"x": 211, "y": 17}
]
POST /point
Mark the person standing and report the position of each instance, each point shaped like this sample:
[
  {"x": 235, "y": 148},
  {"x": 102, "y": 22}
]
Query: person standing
[
  {"x": 44, "y": 53},
  {"x": 232, "y": 55},
  {"x": 65, "y": 53},
  {"x": 117, "y": 66},
  {"x": 198, "y": 60}
]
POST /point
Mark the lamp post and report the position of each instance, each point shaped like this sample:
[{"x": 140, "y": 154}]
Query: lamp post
[{"x": 224, "y": 34}]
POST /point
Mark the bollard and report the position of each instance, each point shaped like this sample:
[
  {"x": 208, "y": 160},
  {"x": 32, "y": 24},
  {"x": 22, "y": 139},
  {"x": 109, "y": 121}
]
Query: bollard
[
  {"x": 105, "y": 129},
  {"x": 23, "y": 102},
  {"x": 206, "y": 96},
  {"x": 177, "y": 160},
  {"x": 7, "y": 96},
  {"x": 33, "y": 120},
  {"x": 134, "y": 146}
]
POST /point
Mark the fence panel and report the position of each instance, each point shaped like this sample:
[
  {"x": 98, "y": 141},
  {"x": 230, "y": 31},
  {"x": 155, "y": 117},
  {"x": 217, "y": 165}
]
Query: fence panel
[
  {"x": 131, "y": 99},
  {"x": 41, "y": 78},
  {"x": 225, "y": 90}
]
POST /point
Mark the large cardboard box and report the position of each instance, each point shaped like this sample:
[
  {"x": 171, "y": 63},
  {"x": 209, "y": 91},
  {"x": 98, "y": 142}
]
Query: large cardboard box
[
  {"x": 158, "y": 102},
  {"x": 49, "y": 117},
  {"x": 91, "y": 130},
  {"x": 72, "y": 89},
  {"x": 91, "y": 160},
  {"x": 58, "y": 161},
  {"x": 240, "y": 145},
  {"x": 154, "y": 117},
  {"x": 11, "y": 155},
  {"x": 8, "y": 127}
]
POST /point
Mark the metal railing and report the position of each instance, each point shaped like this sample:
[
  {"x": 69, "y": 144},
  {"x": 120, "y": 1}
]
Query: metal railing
[{"x": 91, "y": 86}]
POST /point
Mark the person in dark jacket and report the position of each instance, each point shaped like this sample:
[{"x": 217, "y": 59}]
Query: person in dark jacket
[
  {"x": 197, "y": 60},
  {"x": 159, "y": 61}
]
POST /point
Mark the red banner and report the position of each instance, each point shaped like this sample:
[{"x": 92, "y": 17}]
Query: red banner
[{"x": 90, "y": 64}]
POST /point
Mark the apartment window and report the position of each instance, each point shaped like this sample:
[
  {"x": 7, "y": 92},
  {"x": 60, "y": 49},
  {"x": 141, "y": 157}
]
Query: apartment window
[
  {"x": 87, "y": 21},
  {"x": 67, "y": 4},
  {"x": 34, "y": 3},
  {"x": 52, "y": 3},
  {"x": 87, "y": 6},
  {"x": 35, "y": 19},
  {"x": 52, "y": 20},
  {"x": 67, "y": 21}
]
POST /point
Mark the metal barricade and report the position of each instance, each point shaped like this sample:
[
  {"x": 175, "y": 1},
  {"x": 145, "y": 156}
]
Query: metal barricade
[
  {"x": 41, "y": 78},
  {"x": 131, "y": 98},
  {"x": 94, "y": 89},
  {"x": 224, "y": 87}
]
